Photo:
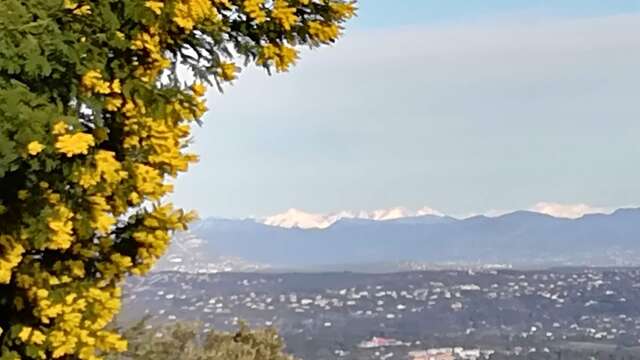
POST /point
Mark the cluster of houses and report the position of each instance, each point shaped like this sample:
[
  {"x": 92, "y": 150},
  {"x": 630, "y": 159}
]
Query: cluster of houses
[
  {"x": 584, "y": 305},
  {"x": 376, "y": 342},
  {"x": 453, "y": 353},
  {"x": 456, "y": 353}
]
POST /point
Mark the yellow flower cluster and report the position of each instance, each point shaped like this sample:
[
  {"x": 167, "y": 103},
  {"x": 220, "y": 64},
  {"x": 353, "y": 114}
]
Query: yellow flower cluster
[
  {"x": 60, "y": 128},
  {"x": 224, "y": 4},
  {"x": 101, "y": 218},
  {"x": 113, "y": 103},
  {"x": 153, "y": 236},
  {"x": 76, "y": 8},
  {"x": 187, "y": 109},
  {"x": 30, "y": 335},
  {"x": 149, "y": 182},
  {"x": 107, "y": 169},
  {"x": 150, "y": 43},
  {"x": 198, "y": 89},
  {"x": 92, "y": 81},
  {"x": 10, "y": 256},
  {"x": 61, "y": 227},
  {"x": 344, "y": 10},
  {"x": 166, "y": 144},
  {"x": 155, "y": 6},
  {"x": 324, "y": 33},
  {"x": 284, "y": 14},
  {"x": 34, "y": 148},
  {"x": 79, "y": 320},
  {"x": 75, "y": 144},
  {"x": 282, "y": 56},
  {"x": 189, "y": 13},
  {"x": 254, "y": 9},
  {"x": 162, "y": 139},
  {"x": 227, "y": 71}
]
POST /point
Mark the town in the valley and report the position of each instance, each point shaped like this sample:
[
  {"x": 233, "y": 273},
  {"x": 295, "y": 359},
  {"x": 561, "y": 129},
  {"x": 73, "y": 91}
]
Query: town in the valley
[{"x": 568, "y": 313}]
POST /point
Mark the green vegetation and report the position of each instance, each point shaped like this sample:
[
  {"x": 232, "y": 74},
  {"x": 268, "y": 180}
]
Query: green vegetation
[{"x": 185, "y": 341}]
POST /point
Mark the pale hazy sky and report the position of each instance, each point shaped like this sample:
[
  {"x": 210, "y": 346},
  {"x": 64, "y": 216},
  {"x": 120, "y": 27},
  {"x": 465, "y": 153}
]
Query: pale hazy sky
[{"x": 462, "y": 105}]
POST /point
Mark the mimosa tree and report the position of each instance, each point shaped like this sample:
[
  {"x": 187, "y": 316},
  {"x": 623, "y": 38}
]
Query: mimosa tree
[{"x": 94, "y": 122}]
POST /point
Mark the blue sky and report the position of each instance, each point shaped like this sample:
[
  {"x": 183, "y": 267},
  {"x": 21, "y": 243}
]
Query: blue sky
[
  {"x": 380, "y": 13},
  {"x": 464, "y": 106}
]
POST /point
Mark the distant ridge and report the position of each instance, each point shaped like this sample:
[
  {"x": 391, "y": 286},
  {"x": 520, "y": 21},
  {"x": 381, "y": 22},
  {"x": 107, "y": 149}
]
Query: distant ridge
[
  {"x": 296, "y": 218},
  {"x": 521, "y": 238}
]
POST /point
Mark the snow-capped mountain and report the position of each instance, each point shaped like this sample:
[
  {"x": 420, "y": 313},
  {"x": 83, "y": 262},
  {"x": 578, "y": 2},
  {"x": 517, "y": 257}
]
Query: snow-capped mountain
[
  {"x": 521, "y": 237},
  {"x": 295, "y": 218}
]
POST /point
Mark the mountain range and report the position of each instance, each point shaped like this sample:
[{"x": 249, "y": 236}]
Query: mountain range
[
  {"x": 295, "y": 218},
  {"x": 521, "y": 238}
]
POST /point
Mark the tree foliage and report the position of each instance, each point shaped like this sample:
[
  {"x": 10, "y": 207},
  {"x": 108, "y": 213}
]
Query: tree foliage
[
  {"x": 185, "y": 341},
  {"x": 95, "y": 120}
]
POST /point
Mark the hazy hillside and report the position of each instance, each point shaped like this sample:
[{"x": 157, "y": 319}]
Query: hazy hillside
[{"x": 524, "y": 238}]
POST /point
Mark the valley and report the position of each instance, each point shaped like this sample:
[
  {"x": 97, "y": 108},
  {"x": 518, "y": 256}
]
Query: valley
[{"x": 328, "y": 315}]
